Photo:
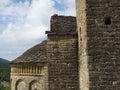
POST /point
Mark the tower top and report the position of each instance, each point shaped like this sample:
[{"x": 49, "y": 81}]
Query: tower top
[{"x": 62, "y": 24}]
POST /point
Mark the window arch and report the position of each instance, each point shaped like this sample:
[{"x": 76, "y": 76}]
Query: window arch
[
  {"x": 35, "y": 85},
  {"x": 20, "y": 85}
]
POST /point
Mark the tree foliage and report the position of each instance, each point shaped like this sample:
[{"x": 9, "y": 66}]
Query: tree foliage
[{"x": 4, "y": 71}]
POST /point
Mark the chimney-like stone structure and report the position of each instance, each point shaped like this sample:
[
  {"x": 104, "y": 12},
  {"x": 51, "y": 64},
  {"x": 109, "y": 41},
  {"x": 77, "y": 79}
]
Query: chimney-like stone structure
[{"x": 98, "y": 26}]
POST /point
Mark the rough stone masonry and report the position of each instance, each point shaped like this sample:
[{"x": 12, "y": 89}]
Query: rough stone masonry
[
  {"x": 98, "y": 26},
  {"x": 76, "y": 56}
]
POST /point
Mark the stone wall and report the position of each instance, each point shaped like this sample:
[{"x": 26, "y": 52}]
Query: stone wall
[
  {"x": 99, "y": 35},
  {"x": 29, "y": 80},
  {"x": 62, "y": 24},
  {"x": 62, "y": 56},
  {"x": 63, "y": 65}
]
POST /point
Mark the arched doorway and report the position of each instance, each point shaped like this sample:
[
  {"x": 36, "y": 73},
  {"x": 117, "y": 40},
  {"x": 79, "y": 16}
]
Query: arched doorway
[
  {"x": 20, "y": 85},
  {"x": 35, "y": 85}
]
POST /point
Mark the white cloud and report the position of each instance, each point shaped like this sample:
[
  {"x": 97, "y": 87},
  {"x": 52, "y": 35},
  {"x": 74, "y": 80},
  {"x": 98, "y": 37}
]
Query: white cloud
[
  {"x": 4, "y": 2},
  {"x": 30, "y": 24},
  {"x": 13, "y": 9}
]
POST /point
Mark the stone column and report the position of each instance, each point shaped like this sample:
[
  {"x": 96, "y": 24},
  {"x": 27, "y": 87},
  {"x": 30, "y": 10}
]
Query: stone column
[
  {"x": 31, "y": 69},
  {"x": 28, "y": 69},
  {"x": 39, "y": 69},
  {"x": 22, "y": 69},
  {"x": 18, "y": 69},
  {"x": 36, "y": 69}
]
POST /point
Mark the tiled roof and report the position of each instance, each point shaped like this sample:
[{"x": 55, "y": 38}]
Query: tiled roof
[{"x": 35, "y": 54}]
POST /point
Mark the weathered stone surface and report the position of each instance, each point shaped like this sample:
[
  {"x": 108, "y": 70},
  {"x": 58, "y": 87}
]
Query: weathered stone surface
[
  {"x": 62, "y": 24},
  {"x": 29, "y": 81},
  {"x": 62, "y": 54},
  {"x": 63, "y": 64},
  {"x": 99, "y": 43}
]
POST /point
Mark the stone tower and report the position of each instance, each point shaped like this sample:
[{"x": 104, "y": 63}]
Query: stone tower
[
  {"x": 62, "y": 54},
  {"x": 98, "y": 25}
]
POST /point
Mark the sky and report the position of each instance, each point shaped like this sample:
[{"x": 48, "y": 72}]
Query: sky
[{"x": 23, "y": 23}]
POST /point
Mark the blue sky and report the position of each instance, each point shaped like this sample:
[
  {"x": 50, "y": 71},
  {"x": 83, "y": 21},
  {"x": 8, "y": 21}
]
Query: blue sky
[
  {"x": 23, "y": 23},
  {"x": 17, "y": 1}
]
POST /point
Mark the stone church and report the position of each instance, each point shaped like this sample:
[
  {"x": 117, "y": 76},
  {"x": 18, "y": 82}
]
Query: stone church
[{"x": 81, "y": 53}]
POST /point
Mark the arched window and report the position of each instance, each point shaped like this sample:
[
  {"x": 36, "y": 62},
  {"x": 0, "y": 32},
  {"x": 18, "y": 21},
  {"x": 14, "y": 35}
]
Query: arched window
[
  {"x": 20, "y": 85},
  {"x": 35, "y": 85}
]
